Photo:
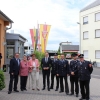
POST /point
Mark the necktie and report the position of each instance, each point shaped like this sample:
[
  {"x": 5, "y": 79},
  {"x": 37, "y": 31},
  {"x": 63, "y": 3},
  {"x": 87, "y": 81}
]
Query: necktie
[
  {"x": 18, "y": 61},
  {"x": 46, "y": 59}
]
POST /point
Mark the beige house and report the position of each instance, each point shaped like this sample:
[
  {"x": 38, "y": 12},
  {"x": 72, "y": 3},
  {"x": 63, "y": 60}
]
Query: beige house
[
  {"x": 4, "y": 21},
  {"x": 90, "y": 32}
]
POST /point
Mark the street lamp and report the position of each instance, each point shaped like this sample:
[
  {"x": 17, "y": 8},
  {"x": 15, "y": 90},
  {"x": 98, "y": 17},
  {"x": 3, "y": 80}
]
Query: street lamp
[{"x": 79, "y": 37}]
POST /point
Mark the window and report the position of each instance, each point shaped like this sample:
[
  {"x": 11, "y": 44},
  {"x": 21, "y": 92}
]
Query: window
[
  {"x": 97, "y": 33},
  {"x": 10, "y": 43},
  {"x": 97, "y": 16},
  {"x": 10, "y": 52},
  {"x": 97, "y": 54},
  {"x": 85, "y": 20},
  {"x": 85, "y": 52},
  {"x": 26, "y": 48},
  {"x": 85, "y": 35}
]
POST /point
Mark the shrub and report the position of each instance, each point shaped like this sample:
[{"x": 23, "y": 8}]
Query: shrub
[{"x": 2, "y": 82}]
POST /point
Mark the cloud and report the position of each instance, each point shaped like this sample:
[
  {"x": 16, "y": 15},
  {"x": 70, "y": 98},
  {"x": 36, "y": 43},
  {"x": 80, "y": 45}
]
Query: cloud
[{"x": 62, "y": 15}]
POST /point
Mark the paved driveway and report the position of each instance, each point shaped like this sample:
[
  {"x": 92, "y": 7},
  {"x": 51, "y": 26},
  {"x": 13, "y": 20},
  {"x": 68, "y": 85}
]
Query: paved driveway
[{"x": 47, "y": 95}]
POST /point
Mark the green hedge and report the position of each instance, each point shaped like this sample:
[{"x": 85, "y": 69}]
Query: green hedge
[{"x": 2, "y": 82}]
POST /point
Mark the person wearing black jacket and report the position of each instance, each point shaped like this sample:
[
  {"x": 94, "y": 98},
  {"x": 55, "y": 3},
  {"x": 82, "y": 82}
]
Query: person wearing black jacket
[
  {"x": 54, "y": 70},
  {"x": 74, "y": 74},
  {"x": 46, "y": 64},
  {"x": 84, "y": 71},
  {"x": 14, "y": 72},
  {"x": 63, "y": 71}
]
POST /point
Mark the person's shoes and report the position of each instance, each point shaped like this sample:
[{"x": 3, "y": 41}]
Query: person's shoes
[
  {"x": 33, "y": 89},
  {"x": 61, "y": 91},
  {"x": 71, "y": 94},
  {"x": 25, "y": 89},
  {"x": 16, "y": 90},
  {"x": 82, "y": 98},
  {"x": 76, "y": 95},
  {"x": 48, "y": 89},
  {"x": 51, "y": 87},
  {"x": 38, "y": 89},
  {"x": 9, "y": 92},
  {"x": 67, "y": 93},
  {"x": 22, "y": 90},
  {"x": 43, "y": 89},
  {"x": 56, "y": 90}
]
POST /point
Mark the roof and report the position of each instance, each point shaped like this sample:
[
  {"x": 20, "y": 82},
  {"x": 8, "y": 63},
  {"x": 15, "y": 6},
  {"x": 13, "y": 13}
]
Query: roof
[
  {"x": 51, "y": 51},
  {"x": 65, "y": 42},
  {"x": 4, "y": 17},
  {"x": 70, "y": 47},
  {"x": 94, "y": 4},
  {"x": 13, "y": 36}
]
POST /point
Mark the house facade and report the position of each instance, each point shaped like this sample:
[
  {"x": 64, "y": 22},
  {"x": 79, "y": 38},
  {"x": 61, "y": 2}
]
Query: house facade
[
  {"x": 4, "y": 21},
  {"x": 90, "y": 32},
  {"x": 68, "y": 48},
  {"x": 28, "y": 48},
  {"x": 14, "y": 44}
]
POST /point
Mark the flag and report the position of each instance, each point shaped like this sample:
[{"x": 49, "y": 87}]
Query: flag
[
  {"x": 38, "y": 44},
  {"x": 44, "y": 33},
  {"x": 33, "y": 37},
  {"x": 36, "y": 41},
  {"x": 34, "y": 31}
]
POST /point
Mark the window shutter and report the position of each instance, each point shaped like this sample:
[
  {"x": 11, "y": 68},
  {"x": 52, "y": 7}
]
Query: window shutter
[
  {"x": 97, "y": 33},
  {"x": 85, "y": 35},
  {"x": 97, "y": 16},
  {"x": 85, "y": 53},
  {"x": 85, "y": 19},
  {"x": 97, "y": 53}
]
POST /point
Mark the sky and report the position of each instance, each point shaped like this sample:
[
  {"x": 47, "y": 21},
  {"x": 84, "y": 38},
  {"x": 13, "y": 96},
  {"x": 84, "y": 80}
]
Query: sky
[{"x": 62, "y": 15}]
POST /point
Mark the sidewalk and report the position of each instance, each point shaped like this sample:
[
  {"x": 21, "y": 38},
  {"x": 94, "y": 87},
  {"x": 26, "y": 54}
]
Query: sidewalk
[{"x": 47, "y": 95}]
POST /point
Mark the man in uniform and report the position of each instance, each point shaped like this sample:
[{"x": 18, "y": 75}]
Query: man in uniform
[
  {"x": 54, "y": 70},
  {"x": 63, "y": 71},
  {"x": 84, "y": 70},
  {"x": 74, "y": 74},
  {"x": 45, "y": 64}
]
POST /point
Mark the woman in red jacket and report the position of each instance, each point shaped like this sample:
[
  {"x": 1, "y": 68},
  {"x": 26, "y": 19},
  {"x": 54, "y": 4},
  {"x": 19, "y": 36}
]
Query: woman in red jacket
[{"x": 24, "y": 70}]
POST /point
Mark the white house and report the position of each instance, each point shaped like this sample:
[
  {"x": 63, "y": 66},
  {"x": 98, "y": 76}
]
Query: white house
[
  {"x": 28, "y": 48},
  {"x": 90, "y": 32}
]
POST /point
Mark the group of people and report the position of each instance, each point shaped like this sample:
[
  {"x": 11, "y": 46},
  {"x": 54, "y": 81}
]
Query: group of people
[
  {"x": 78, "y": 69},
  {"x": 24, "y": 68}
]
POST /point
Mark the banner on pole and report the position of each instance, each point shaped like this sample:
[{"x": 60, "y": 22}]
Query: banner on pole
[{"x": 44, "y": 33}]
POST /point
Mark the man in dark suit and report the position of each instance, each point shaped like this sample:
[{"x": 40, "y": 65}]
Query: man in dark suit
[
  {"x": 45, "y": 64},
  {"x": 84, "y": 71},
  {"x": 63, "y": 71},
  {"x": 14, "y": 72},
  {"x": 54, "y": 70}
]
